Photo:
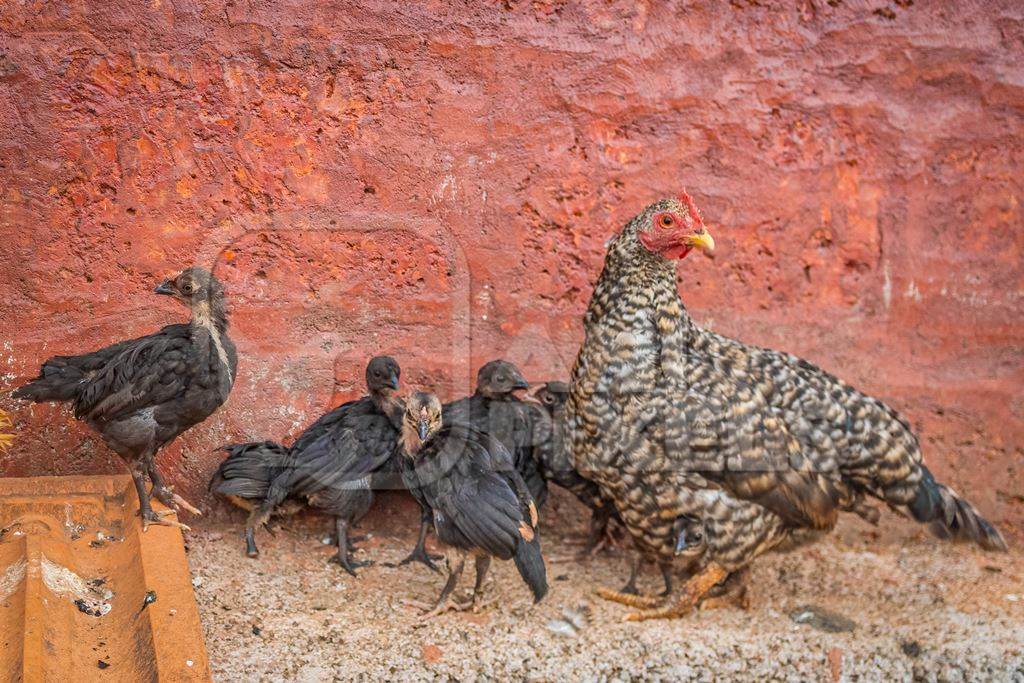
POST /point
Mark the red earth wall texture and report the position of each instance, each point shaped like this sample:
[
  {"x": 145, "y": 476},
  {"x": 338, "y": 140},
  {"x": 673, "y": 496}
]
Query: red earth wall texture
[{"x": 436, "y": 181}]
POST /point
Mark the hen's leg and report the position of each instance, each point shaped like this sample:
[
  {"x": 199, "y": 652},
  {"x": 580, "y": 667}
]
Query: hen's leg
[
  {"x": 165, "y": 494},
  {"x": 693, "y": 590},
  {"x": 419, "y": 553},
  {"x": 342, "y": 557},
  {"x": 629, "y": 595}
]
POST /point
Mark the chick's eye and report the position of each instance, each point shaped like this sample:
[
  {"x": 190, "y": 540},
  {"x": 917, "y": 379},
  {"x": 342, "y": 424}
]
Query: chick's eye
[{"x": 666, "y": 221}]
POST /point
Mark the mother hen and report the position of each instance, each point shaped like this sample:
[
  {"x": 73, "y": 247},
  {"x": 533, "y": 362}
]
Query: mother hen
[{"x": 715, "y": 451}]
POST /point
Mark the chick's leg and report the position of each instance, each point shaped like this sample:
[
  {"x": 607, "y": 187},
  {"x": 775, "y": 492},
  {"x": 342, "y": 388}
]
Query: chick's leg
[
  {"x": 666, "y": 576},
  {"x": 419, "y": 553},
  {"x": 693, "y": 591},
  {"x": 165, "y": 494},
  {"x": 597, "y": 537},
  {"x": 483, "y": 563},
  {"x": 342, "y": 557},
  {"x": 456, "y": 562},
  {"x": 634, "y": 572},
  {"x": 250, "y": 542},
  {"x": 149, "y": 516},
  {"x": 258, "y": 516}
]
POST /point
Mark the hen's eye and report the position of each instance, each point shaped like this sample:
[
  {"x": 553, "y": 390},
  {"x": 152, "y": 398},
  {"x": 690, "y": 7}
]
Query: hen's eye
[{"x": 666, "y": 221}]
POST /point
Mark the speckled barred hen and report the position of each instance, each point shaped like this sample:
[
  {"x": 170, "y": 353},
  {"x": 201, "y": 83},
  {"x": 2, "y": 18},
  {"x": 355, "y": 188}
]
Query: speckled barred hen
[
  {"x": 142, "y": 393},
  {"x": 479, "y": 503},
  {"x": 685, "y": 429}
]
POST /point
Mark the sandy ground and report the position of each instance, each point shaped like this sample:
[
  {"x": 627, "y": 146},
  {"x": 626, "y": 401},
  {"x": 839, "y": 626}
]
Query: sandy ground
[{"x": 922, "y": 610}]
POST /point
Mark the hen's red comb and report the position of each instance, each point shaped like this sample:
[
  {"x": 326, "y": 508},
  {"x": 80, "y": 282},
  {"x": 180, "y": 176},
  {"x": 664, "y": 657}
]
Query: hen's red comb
[{"x": 687, "y": 201}]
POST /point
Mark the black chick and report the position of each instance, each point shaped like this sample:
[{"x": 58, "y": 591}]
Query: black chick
[
  {"x": 329, "y": 466},
  {"x": 555, "y": 466},
  {"x": 479, "y": 503},
  {"x": 142, "y": 393},
  {"x": 244, "y": 477},
  {"x": 494, "y": 409}
]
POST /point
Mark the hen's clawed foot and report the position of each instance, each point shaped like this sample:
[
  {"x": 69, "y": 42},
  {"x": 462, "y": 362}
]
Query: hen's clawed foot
[
  {"x": 348, "y": 564},
  {"x": 630, "y": 599},
  {"x": 693, "y": 591},
  {"x": 734, "y": 593}
]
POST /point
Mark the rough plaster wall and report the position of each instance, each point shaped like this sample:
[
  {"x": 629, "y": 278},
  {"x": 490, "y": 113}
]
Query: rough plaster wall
[{"x": 436, "y": 181}]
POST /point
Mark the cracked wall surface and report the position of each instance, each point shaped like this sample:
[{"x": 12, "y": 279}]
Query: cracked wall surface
[{"x": 437, "y": 181}]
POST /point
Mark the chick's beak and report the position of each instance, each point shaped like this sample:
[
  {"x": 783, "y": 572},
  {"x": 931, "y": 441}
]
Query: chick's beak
[
  {"x": 424, "y": 427},
  {"x": 681, "y": 542},
  {"x": 164, "y": 287},
  {"x": 393, "y": 381},
  {"x": 702, "y": 241},
  {"x": 520, "y": 383}
]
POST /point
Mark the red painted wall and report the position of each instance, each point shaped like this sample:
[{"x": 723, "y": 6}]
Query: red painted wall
[{"x": 436, "y": 182}]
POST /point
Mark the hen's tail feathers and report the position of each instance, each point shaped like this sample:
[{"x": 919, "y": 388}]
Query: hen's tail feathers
[
  {"x": 950, "y": 516},
  {"x": 530, "y": 564},
  {"x": 57, "y": 381},
  {"x": 249, "y": 469}
]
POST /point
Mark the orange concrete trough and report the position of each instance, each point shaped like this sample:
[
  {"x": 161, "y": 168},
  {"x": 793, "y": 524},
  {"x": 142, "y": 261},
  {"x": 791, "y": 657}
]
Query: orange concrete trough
[{"x": 78, "y": 579}]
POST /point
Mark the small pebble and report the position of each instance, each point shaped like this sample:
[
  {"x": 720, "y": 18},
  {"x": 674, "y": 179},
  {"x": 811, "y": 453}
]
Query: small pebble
[{"x": 822, "y": 619}]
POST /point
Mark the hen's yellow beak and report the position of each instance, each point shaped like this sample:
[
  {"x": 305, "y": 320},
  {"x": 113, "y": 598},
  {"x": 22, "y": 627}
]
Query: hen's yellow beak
[{"x": 702, "y": 241}]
